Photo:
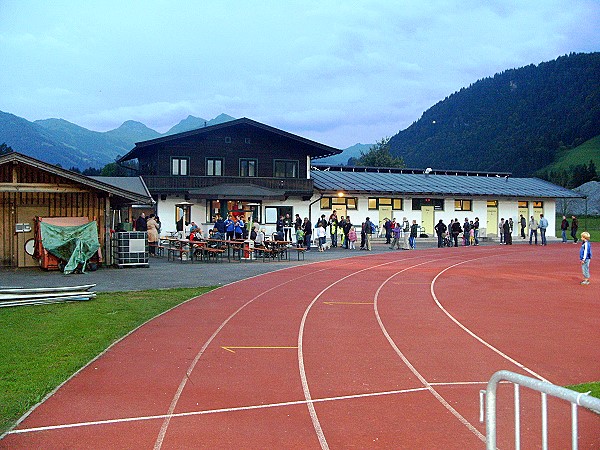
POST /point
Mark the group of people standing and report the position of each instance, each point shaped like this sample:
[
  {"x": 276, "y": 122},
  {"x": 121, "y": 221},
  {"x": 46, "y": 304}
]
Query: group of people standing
[
  {"x": 448, "y": 235},
  {"x": 151, "y": 225},
  {"x": 401, "y": 235}
]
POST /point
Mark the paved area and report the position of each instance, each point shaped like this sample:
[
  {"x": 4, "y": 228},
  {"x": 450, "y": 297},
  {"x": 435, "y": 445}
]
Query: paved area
[{"x": 163, "y": 274}]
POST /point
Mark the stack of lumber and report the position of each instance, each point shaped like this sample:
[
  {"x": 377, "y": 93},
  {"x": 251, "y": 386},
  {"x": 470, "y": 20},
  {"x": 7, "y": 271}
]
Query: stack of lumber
[{"x": 43, "y": 296}]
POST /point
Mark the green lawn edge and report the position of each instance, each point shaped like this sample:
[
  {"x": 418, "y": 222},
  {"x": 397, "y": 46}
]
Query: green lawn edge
[{"x": 42, "y": 346}]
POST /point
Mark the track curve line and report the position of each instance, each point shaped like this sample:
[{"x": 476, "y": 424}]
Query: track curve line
[
  {"x": 305, "y": 388},
  {"x": 467, "y": 330},
  {"x": 413, "y": 369},
  {"x": 167, "y": 420}
]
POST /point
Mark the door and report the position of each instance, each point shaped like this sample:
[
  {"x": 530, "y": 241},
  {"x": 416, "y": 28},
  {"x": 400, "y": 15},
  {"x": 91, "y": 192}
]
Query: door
[
  {"x": 492, "y": 221},
  {"x": 427, "y": 218},
  {"x": 26, "y": 215},
  {"x": 384, "y": 211},
  {"x": 537, "y": 212},
  {"x": 340, "y": 210}
]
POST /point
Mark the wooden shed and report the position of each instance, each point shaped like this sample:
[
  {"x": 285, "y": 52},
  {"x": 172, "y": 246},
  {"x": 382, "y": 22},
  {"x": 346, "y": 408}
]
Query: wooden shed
[{"x": 30, "y": 188}]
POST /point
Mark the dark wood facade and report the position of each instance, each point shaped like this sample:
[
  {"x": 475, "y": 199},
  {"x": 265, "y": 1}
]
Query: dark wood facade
[{"x": 30, "y": 188}]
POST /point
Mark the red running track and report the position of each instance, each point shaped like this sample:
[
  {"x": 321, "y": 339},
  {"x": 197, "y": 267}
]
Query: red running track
[{"x": 377, "y": 351}]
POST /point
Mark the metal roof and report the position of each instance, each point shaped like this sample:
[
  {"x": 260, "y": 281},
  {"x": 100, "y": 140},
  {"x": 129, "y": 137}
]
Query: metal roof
[{"x": 434, "y": 184}]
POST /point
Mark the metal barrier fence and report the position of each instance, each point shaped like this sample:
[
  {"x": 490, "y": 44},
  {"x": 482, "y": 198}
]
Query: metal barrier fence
[{"x": 575, "y": 398}]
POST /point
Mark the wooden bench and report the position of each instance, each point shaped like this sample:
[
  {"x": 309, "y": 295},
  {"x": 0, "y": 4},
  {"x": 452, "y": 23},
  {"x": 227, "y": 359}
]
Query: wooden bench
[
  {"x": 216, "y": 253},
  {"x": 179, "y": 251},
  {"x": 300, "y": 251},
  {"x": 159, "y": 250}
]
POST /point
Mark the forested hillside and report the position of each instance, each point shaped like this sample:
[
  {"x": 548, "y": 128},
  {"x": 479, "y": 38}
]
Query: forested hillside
[{"x": 516, "y": 121}]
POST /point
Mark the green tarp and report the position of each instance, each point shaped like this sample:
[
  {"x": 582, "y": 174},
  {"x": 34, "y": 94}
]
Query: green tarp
[{"x": 76, "y": 244}]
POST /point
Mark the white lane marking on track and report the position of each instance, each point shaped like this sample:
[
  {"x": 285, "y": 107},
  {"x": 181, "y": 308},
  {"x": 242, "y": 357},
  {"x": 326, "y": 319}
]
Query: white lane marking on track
[
  {"x": 428, "y": 386},
  {"x": 464, "y": 328},
  {"x": 303, "y": 378},
  {"x": 163, "y": 429},
  {"x": 231, "y": 409}
]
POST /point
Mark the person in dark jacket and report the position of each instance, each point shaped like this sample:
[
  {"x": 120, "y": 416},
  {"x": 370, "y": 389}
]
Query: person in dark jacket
[
  {"x": 440, "y": 231},
  {"x": 574, "y": 227},
  {"x": 307, "y": 226},
  {"x": 507, "y": 233},
  {"x": 140, "y": 223},
  {"x": 456, "y": 230}
]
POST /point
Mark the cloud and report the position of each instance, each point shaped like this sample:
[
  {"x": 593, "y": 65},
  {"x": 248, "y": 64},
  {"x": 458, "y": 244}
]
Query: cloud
[{"x": 342, "y": 72}]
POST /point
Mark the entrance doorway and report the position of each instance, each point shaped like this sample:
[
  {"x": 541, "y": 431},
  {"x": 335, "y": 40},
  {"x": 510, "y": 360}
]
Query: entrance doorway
[
  {"x": 492, "y": 221},
  {"x": 427, "y": 219}
]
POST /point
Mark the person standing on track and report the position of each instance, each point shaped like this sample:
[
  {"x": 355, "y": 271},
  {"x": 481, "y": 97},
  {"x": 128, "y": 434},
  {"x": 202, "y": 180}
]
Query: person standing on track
[{"x": 585, "y": 255}]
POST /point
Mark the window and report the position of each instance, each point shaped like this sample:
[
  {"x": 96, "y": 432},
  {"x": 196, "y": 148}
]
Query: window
[
  {"x": 523, "y": 204},
  {"x": 375, "y": 203},
  {"x": 183, "y": 215},
  {"x": 492, "y": 203},
  {"x": 285, "y": 169},
  {"x": 348, "y": 202},
  {"x": 538, "y": 204},
  {"x": 179, "y": 166},
  {"x": 214, "y": 167},
  {"x": 247, "y": 167},
  {"x": 462, "y": 205},
  {"x": 272, "y": 213},
  {"x": 247, "y": 141},
  {"x": 228, "y": 140},
  {"x": 437, "y": 203}
]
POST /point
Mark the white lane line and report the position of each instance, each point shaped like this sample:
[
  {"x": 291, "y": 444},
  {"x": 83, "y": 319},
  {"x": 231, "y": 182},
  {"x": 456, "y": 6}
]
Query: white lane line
[
  {"x": 428, "y": 386},
  {"x": 231, "y": 409},
  {"x": 464, "y": 328},
  {"x": 167, "y": 418},
  {"x": 303, "y": 378}
]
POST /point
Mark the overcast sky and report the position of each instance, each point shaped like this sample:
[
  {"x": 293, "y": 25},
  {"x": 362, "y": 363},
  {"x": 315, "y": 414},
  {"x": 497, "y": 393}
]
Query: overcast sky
[{"x": 338, "y": 72}]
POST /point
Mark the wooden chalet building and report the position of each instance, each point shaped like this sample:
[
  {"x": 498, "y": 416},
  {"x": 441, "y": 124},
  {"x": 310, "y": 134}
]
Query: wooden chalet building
[
  {"x": 241, "y": 166},
  {"x": 30, "y": 188}
]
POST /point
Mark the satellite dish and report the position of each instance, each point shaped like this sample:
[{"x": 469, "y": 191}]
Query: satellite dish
[{"x": 428, "y": 170}]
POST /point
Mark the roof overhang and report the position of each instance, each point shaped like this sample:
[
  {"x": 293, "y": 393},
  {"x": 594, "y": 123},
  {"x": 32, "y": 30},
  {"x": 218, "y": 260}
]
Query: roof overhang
[{"x": 114, "y": 191}]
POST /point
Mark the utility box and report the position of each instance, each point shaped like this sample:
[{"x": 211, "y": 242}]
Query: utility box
[{"x": 130, "y": 249}]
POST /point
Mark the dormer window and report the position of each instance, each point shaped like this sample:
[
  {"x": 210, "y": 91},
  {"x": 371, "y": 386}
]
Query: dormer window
[{"x": 180, "y": 166}]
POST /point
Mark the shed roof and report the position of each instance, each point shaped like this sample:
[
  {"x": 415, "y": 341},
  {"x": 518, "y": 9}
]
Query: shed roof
[
  {"x": 120, "y": 191},
  {"x": 434, "y": 184}
]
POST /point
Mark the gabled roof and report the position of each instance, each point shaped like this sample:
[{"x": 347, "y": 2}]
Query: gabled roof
[
  {"x": 319, "y": 150},
  {"x": 135, "y": 196},
  {"x": 434, "y": 184}
]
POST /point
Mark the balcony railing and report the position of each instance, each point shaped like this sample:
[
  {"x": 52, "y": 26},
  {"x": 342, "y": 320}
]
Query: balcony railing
[{"x": 172, "y": 183}]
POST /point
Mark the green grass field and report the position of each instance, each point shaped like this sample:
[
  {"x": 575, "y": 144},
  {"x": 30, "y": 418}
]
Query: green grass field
[{"x": 42, "y": 346}]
